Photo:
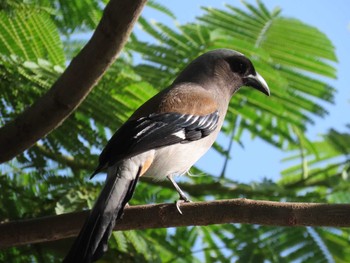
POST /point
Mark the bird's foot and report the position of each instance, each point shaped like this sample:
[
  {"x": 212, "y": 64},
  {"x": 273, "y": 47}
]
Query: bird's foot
[{"x": 183, "y": 199}]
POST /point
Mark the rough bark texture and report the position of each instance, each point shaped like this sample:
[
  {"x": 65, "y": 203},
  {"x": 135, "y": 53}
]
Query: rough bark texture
[
  {"x": 75, "y": 83},
  {"x": 194, "y": 214}
]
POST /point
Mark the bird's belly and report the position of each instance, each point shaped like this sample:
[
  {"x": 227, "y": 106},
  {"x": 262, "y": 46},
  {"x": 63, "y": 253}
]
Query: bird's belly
[{"x": 177, "y": 159}]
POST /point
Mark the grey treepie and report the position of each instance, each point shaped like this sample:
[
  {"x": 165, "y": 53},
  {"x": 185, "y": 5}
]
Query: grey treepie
[{"x": 163, "y": 138}]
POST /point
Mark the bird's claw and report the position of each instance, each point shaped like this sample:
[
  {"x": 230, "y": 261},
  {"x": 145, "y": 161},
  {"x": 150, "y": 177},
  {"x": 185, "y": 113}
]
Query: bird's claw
[{"x": 180, "y": 201}]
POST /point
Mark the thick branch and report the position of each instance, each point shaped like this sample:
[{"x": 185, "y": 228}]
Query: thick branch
[
  {"x": 166, "y": 215},
  {"x": 75, "y": 83}
]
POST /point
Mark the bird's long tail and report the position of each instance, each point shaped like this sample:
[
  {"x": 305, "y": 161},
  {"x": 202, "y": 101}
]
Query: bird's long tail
[{"x": 91, "y": 242}]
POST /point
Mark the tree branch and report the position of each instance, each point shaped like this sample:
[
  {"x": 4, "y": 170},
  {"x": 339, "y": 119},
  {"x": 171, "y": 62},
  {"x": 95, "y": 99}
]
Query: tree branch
[
  {"x": 75, "y": 83},
  {"x": 245, "y": 211}
]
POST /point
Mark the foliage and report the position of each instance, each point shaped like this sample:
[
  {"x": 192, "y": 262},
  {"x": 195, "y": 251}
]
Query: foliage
[{"x": 38, "y": 38}]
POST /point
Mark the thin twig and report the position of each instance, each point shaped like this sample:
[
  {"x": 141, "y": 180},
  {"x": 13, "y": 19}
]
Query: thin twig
[{"x": 236, "y": 122}]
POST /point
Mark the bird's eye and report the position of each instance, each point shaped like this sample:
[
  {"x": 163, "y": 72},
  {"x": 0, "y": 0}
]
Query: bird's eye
[
  {"x": 242, "y": 68},
  {"x": 238, "y": 66}
]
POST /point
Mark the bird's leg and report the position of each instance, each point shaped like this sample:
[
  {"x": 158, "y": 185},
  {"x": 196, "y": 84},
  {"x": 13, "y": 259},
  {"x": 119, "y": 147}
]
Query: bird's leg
[{"x": 183, "y": 197}]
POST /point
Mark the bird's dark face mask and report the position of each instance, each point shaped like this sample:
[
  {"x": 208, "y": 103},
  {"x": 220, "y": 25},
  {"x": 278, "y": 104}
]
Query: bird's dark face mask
[{"x": 242, "y": 66}]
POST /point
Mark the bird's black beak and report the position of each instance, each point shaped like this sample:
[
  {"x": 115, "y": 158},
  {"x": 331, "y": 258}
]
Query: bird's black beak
[{"x": 257, "y": 82}]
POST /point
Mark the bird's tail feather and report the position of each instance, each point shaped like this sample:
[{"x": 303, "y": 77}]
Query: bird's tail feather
[{"x": 91, "y": 242}]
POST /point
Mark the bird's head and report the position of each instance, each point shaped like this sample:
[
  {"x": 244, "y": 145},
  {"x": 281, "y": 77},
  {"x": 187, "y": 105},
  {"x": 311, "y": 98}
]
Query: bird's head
[{"x": 226, "y": 68}]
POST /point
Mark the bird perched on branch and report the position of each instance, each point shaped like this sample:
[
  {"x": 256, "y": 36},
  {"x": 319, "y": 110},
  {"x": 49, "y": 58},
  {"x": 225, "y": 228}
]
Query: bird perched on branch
[{"x": 163, "y": 138}]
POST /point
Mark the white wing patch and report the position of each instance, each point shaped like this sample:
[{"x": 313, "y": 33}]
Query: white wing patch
[{"x": 181, "y": 134}]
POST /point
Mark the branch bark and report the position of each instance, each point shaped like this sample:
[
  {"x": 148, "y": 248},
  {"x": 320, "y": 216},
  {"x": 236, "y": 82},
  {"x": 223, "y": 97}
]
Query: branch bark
[
  {"x": 194, "y": 214},
  {"x": 75, "y": 83}
]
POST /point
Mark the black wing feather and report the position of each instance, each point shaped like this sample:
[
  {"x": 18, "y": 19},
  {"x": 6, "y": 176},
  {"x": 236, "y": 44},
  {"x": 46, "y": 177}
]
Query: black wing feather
[{"x": 155, "y": 131}]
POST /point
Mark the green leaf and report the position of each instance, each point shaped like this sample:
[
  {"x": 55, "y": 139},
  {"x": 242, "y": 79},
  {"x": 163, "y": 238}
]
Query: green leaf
[{"x": 30, "y": 36}]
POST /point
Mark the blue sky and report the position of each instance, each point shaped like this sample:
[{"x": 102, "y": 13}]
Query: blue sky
[{"x": 258, "y": 160}]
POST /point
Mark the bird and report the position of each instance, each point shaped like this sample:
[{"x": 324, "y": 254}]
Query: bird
[{"x": 164, "y": 137}]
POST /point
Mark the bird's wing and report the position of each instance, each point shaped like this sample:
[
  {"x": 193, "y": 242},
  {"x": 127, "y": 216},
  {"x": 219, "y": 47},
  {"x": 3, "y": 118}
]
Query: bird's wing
[
  {"x": 154, "y": 131},
  {"x": 134, "y": 137}
]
